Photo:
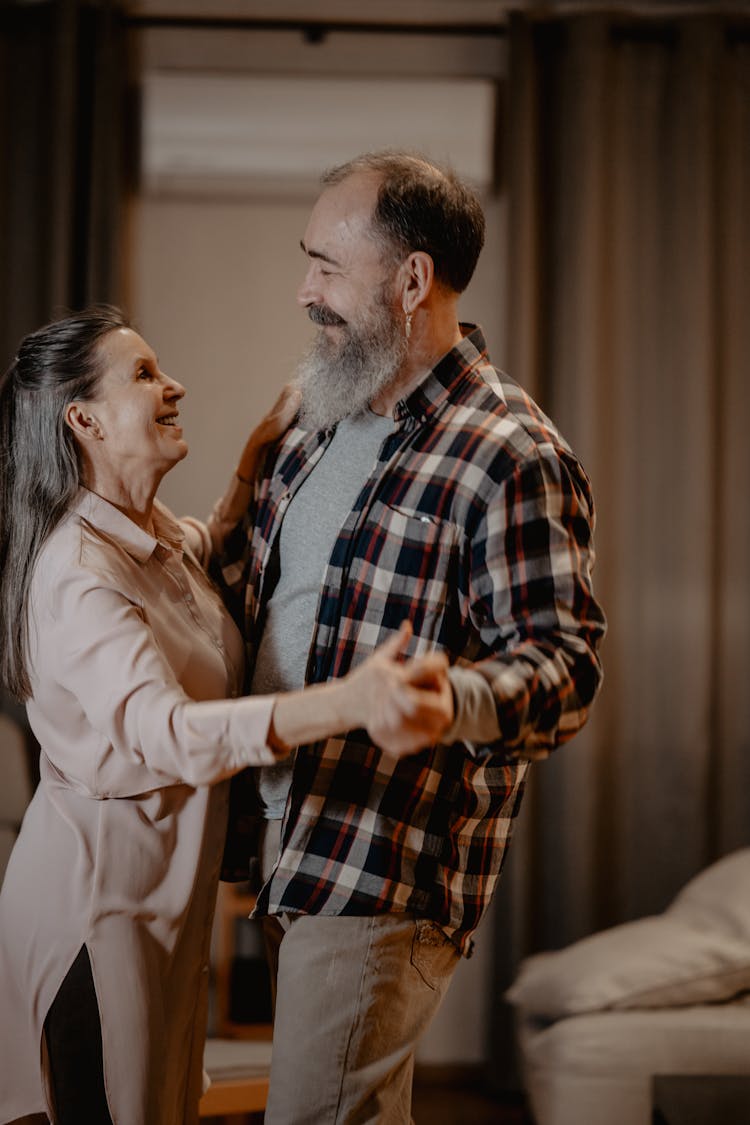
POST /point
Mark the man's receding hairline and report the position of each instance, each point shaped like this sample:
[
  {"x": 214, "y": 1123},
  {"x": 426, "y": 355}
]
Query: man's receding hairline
[{"x": 379, "y": 163}]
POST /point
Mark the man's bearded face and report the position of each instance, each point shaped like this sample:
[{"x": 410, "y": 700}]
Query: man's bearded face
[{"x": 350, "y": 362}]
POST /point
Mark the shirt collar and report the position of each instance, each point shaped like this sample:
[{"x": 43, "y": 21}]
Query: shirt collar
[
  {"x": 445, "y": 376},
  {"x": 113, "y": 523}
]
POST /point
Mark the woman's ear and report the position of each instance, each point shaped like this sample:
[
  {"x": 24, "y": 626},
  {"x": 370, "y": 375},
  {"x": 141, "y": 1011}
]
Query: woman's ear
[
  {"x": 419, "y": 276},
  {"x": 82, "y": 422}
]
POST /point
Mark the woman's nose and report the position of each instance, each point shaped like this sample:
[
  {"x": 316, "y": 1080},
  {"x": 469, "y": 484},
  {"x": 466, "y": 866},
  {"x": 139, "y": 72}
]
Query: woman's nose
[{"x": 173, "y": 389}]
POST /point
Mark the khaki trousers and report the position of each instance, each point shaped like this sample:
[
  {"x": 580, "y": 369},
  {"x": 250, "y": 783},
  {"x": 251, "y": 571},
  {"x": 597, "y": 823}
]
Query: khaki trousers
[{"x": 353, "y": 995}]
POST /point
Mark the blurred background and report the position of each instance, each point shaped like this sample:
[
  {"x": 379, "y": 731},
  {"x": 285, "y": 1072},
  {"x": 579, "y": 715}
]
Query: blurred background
[{"x": 164, "y": 155}]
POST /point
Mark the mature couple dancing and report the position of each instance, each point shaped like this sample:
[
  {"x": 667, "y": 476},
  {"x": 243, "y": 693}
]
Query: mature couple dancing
[{"x": 409, "y": 540}]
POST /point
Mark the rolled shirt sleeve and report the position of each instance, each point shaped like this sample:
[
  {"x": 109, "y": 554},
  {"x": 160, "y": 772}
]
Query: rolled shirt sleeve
[{"x": 531, "y": 601}]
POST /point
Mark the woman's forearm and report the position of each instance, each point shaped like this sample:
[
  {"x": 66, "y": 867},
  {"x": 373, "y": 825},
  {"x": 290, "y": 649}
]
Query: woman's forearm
[
  {"x": 231, "y": 508},
  {"x": 403, "y": 706},
  {"x": 319, "y": 711},
  {"x": 228, "y": 512}
]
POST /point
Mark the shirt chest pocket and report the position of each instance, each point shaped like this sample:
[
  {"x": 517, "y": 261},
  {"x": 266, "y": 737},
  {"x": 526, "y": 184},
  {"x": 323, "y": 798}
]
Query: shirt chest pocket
[{"x": 406, "y": 565}]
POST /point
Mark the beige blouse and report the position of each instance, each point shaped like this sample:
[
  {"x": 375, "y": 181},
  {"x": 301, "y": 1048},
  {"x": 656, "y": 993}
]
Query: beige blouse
[{"x": 121, "y": 845}]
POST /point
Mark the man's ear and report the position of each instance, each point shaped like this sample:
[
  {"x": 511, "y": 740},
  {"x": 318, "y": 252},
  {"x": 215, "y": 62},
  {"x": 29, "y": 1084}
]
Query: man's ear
[
  {"x": 418, "y": 279},
  {"x": 82, "y": 422}
]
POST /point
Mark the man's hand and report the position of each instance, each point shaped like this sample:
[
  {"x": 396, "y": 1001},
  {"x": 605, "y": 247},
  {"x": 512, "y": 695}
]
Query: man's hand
[{"x": 407, "y": 704}]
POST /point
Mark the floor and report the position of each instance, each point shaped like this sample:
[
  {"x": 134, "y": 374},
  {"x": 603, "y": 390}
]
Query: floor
[
  {"x": 465, "y": 1103},
  {"x": 442, "y": 1098}
]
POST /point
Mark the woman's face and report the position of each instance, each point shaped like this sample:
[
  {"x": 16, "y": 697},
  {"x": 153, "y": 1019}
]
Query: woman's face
[{"x": 136, "y": 406}]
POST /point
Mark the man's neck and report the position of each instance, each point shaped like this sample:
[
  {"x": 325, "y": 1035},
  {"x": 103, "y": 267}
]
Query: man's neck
[{"x": 425, "y": 350}]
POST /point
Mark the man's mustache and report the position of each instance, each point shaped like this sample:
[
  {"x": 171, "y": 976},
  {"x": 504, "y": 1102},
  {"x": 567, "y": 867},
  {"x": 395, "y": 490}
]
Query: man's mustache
[{"x": 321, "y": 314}]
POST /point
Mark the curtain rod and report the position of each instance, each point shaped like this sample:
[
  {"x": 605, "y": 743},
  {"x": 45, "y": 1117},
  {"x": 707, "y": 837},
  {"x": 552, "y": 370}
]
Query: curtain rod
[{"x": 316, "y": 30}]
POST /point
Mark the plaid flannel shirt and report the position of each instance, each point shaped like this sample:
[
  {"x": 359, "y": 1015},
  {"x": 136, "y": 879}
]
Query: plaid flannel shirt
[{"x": 476, "y": 525}]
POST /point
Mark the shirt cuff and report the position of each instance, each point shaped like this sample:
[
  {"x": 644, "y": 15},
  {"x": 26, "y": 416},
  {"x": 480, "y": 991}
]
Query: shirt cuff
[{"x": 475, "y": 718}]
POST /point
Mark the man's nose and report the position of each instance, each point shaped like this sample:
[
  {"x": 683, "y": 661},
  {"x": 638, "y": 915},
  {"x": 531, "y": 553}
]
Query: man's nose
[{"x": 309, "y": 291}]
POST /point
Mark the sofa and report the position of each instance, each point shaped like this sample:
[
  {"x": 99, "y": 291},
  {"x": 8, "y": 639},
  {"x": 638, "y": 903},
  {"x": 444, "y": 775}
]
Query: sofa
[{"x": 664, "y": 995}]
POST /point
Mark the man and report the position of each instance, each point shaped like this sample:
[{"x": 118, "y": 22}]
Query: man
[{"x": 419, "y": 483}]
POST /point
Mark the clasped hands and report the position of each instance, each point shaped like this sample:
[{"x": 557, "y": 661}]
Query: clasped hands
[{"x": 407, "y": 704}]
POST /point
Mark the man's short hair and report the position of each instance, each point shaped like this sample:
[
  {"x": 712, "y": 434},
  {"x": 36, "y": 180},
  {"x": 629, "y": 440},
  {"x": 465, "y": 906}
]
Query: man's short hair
[{"x": 422, "y": 206}]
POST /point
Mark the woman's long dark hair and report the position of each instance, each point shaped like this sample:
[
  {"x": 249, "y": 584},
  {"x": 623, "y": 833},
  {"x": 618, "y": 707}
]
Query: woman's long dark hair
[{"x": 39, "y": 472}]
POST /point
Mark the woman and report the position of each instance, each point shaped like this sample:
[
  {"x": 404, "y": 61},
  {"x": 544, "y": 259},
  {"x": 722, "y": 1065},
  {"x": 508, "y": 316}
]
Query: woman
[{"x": 124, "y": 654}]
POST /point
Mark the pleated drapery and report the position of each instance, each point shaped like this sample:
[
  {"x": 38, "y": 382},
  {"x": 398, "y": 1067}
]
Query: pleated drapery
[
  {"x": 65, "y": 172},
  {"x": 629, "y": 277}
]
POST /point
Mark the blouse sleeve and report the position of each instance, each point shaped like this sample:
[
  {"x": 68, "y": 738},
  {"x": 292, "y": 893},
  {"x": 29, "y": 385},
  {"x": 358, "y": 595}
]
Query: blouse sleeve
[
  {"x": 197, "y": 539},
  {"x": 207, "y": 539},
  {"x": 228, "y": 512},
  {"x": 150, "y": 732}
]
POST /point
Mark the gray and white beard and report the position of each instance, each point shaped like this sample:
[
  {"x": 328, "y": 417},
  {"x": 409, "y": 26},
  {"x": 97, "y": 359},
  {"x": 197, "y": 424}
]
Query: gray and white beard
[{"x": 339, "y": 379}]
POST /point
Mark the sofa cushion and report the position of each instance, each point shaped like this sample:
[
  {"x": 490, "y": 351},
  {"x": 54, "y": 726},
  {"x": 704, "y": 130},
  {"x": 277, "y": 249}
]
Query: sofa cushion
[
  {"x": 599, "y": 1067},
  {"x": 697, "y": 952},
  {"x": 718, "y": 899}
]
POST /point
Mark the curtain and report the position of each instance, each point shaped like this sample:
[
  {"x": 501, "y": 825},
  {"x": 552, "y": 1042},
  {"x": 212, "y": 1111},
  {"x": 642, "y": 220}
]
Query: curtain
[
  {"x": 628, "y": 169},
  {"x": 63, "y": 132},
  {"x": 62, "y": 135}
]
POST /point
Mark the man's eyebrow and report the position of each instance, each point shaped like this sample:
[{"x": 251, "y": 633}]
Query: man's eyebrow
[{"x": 318, "y": 254}]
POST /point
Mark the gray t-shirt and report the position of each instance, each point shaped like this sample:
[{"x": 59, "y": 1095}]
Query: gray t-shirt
[{"x": 311, "y": 526}]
